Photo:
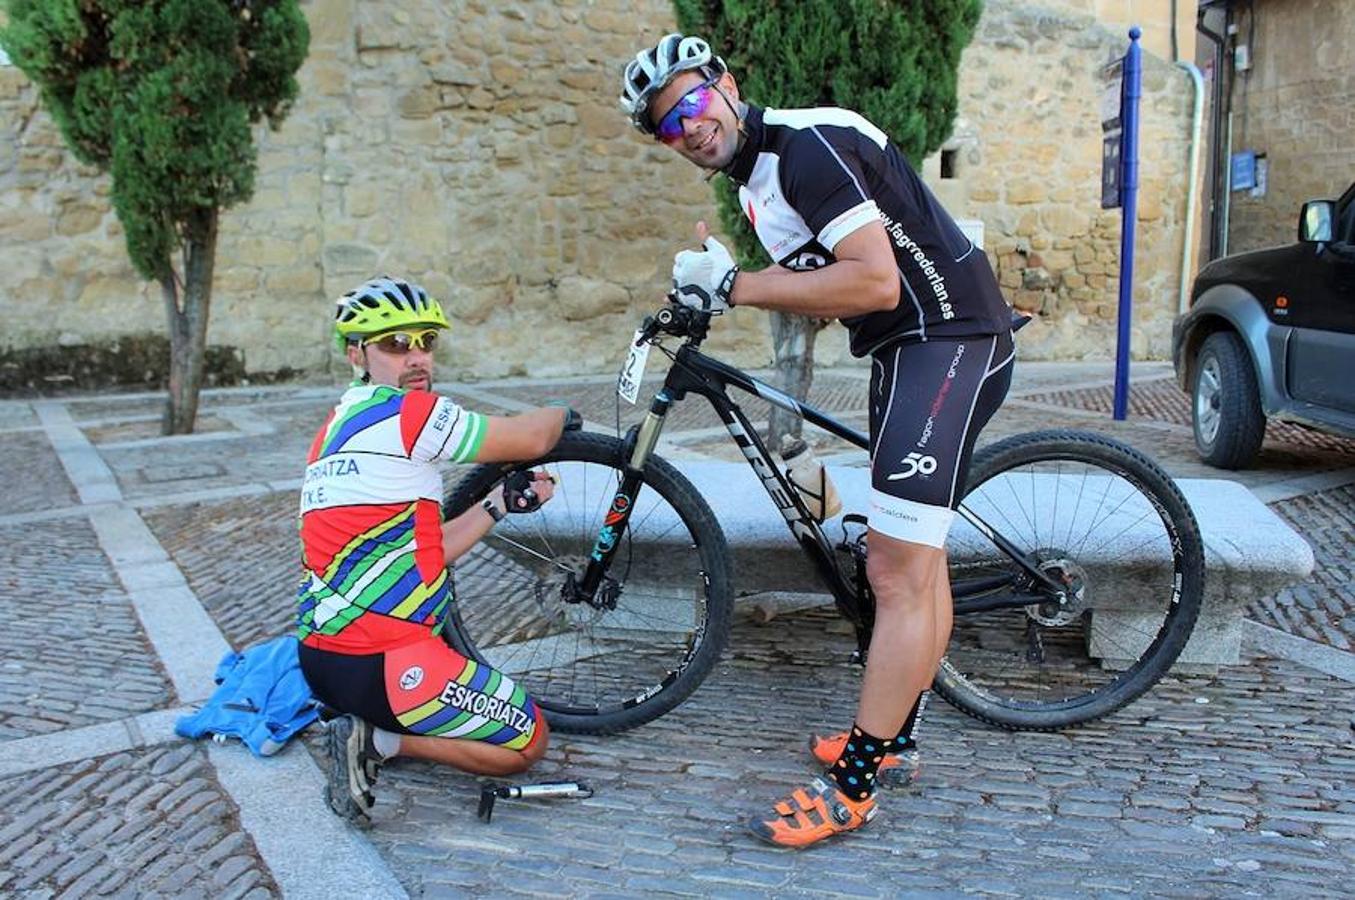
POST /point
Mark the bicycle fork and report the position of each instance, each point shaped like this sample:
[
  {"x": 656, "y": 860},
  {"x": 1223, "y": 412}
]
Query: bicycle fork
[{"x": 614, "y": 524}]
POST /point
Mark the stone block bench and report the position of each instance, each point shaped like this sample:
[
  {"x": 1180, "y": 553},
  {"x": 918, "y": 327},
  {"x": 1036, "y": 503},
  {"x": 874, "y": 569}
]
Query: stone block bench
[{"x": 1250, "y": 553}]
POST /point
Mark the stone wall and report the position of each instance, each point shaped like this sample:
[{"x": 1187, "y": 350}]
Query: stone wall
[
  {"x": 1154, "y": 18},
  {"x": 1028, "y": 164},
  {"x": 1294, "y": 106},
  {"x": 476, "y": 147}
]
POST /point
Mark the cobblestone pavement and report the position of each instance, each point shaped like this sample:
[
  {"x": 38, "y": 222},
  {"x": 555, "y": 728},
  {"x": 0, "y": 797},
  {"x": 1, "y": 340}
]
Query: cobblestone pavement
[
  {"x": 154, "y": 823},
  {"x": 248, "y": 584},
  {"x": 74, "y": 652},
  {"x": 1163, "y": 400},
  {"x": 1243, "y": 782},
  {"x": 1322, "y": 609},
  {"x": 1236, "y": 784},
  {"x": 32, "y": 476}
]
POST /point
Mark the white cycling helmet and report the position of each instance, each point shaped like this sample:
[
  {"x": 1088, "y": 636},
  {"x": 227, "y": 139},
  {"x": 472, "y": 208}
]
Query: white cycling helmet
[{"x": 653, "y": 68}]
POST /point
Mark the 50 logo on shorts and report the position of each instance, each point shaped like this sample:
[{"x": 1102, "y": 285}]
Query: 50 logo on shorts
[
  {"x": 914, "y": 464},
  {"x": 482, "y": 704}
]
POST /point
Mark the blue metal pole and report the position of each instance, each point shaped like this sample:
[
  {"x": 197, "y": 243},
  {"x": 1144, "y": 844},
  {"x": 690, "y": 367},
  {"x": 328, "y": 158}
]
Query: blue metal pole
[{"x": 1129, "y": 193}]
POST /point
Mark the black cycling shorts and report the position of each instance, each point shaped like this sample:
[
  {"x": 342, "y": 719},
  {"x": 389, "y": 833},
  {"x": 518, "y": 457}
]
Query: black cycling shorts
[
  {"x": 928, "y": 403},
  {"x": 427, "y": 689}
]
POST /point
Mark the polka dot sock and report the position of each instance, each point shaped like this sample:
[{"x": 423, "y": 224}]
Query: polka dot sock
[
  {"x": 906, "y": 738},
  {"x": 854, "y": 771}
]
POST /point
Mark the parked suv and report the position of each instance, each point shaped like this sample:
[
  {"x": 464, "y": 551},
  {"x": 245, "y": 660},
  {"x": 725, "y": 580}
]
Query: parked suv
[{"x": 1272, "y": 333}]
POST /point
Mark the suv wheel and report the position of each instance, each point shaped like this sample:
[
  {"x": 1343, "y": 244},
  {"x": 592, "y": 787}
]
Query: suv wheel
[{"x": 1226, "y": 408}]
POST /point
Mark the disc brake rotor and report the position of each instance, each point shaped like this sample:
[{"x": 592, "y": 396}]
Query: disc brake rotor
[
  {"x": 1073, "y": 578},
  {"x": 551, "y": 591}
]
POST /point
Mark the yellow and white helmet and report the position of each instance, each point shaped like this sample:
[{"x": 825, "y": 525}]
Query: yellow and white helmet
[{"x": 384, "y": 304}]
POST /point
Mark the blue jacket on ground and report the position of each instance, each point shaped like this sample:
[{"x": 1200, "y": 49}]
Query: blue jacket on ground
[{"x": 263, "y": 698}]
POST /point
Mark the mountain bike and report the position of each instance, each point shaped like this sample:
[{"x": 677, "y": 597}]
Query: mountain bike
[{"x": 1076, "y": 566}]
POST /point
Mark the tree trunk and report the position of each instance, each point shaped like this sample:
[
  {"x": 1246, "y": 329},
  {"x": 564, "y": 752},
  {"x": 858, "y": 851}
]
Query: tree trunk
[
  {"x": 187, "y": 314},
  {"x": 793, "y": 358}
]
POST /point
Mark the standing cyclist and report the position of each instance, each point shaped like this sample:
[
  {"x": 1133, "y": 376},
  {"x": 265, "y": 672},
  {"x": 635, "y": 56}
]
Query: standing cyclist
[
  {"x": 857, "y": 236},
  {"x": 375, "y": 551}
]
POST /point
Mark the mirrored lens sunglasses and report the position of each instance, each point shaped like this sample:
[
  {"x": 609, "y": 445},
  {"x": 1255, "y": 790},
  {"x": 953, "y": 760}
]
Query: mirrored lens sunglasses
[
  {"x": 693, "y": 103},
  {"x": 399, "y": 342}
]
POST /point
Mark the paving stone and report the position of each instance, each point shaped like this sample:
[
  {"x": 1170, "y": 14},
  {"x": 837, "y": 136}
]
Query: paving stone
[
  {"x": 48, "y": 684},
  {"x": 140, "y": 850},
  {"x": 32, "y": 474},
  {"x": 1291, "y": 717},
  {"x": 1322, "y": 609},
  {"x": 248, "y": 587}
]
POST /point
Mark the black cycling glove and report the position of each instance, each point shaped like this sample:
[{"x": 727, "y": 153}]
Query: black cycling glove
[{"x": 518, "y": 495}]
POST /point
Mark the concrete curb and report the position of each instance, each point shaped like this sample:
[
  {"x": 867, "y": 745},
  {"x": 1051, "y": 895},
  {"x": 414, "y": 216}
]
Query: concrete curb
[
  {"x": 1280, "y": 644},
  {"x": 310, "y": 852},
  {"x": 44, "y": 751}
]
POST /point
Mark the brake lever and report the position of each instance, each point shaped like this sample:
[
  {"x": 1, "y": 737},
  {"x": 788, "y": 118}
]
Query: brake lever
[{"x": 649, "y": 329}]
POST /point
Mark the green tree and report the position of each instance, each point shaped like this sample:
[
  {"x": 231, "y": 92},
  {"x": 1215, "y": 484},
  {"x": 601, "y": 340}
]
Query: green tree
[
  {"x": 893, "y": 61},
  {"x": 162, "y": 94}
]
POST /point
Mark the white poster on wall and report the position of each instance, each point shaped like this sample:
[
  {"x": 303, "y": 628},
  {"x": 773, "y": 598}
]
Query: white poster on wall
[{"x": 1262, "y": 175}]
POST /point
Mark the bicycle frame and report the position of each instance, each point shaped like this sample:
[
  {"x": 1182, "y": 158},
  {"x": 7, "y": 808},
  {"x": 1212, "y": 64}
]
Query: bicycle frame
[{"x": 694, "y": 372}]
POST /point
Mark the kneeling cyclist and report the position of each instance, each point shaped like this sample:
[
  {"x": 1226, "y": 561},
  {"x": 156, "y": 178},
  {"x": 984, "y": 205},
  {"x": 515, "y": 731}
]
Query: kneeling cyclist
[{"x": 375, "y": 552}]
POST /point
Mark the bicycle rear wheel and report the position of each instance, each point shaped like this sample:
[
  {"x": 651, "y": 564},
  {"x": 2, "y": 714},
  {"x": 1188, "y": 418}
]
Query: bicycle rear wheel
[
  {"x": 1107, "y": 523},
  {"x": 660, "y": 619}
]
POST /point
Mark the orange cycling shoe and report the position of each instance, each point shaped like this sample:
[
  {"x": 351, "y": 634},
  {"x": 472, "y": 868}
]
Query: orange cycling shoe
[
  {"x": 811, "y": 814},
  {"x": 896, "y": 769}
]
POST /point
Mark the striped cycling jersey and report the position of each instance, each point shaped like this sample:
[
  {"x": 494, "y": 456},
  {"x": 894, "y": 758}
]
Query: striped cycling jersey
[
  {"x": 810, "y": 177},
  {"x": 374, "y": 575}
]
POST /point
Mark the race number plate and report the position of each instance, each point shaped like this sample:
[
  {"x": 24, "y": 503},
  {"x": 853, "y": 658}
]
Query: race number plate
[{"x": 628, "y": 382}]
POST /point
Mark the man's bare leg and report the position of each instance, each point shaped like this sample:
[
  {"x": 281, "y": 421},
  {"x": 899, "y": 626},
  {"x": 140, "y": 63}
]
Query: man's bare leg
[
  {"x": 477, "y": 757},
  {"x": 945, "y": 611},
  {"x": 907, "y": 580}
]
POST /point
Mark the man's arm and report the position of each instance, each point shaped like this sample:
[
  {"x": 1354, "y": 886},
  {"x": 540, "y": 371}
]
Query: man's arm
[
  {"x": 466, "y": 530},
  {"x": 864, "y": 279},
  {"x": 522, "y": 437},
  {"x": 463, "y": 532}
]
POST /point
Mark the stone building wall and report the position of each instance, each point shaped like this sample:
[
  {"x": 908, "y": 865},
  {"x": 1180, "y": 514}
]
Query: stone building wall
[
  {"x": 1028, "y": 164},
  {"x": 1294, "y": 106},
  {"x": 476, "y": 147},
  {"x": 1154, "y": 17}
]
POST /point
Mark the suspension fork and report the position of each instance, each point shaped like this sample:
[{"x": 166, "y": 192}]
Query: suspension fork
[{"x": 614, "y": 524}]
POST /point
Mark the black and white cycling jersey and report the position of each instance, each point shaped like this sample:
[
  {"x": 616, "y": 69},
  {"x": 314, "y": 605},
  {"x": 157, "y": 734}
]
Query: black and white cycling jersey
[{"x": 810, "y": 177}]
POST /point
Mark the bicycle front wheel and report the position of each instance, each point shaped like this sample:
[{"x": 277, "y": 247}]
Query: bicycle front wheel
[
  {"x": 654, "y": 628},
  {"x": 1111, "y": 528}
]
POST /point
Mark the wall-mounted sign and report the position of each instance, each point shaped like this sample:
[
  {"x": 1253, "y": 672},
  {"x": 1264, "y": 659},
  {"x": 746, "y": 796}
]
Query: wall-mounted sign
[
  {"x": 1112, "y": 132},
  {"x": 1242, "y": 171}
]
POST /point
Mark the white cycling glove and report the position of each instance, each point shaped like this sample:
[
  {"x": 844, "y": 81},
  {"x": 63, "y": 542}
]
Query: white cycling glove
[{"x": 704, "y": 279}]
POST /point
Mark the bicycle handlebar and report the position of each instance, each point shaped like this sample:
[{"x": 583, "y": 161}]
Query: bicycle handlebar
[{"x": 677, "y": 320}]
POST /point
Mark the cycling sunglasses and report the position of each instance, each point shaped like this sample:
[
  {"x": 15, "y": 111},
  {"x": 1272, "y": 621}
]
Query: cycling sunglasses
[
  {"x": 401, "y": 342},
  {"x": 693, "y": 103}
]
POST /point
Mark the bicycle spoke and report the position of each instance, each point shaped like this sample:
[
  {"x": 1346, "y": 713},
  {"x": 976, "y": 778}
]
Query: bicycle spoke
[
  {"x": 1112, "y": 541},
  {"x": 528, "y": 550},
  {"x": 613, "y": 651}
]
